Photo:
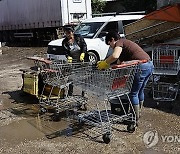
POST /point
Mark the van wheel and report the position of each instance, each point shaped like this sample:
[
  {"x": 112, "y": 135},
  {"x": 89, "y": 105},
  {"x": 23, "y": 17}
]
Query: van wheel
[{"x": 93, "y": 57}]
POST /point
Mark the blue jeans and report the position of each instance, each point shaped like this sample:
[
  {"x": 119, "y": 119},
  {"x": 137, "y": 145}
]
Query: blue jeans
[{"x": 140, "y": 81}]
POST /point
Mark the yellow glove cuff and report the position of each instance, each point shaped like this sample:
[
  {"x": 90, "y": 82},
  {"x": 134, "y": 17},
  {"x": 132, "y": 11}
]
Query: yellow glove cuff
[{"x": 69, "y": 59}]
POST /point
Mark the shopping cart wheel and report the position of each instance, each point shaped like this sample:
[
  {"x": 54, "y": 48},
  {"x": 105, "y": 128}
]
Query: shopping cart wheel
[
  {"x": 81, "y": 123},
  {"x": 131, "y": 127},
  {"x": 106, "y": 137},
  {"x": 56, "y": 117},
  {"x": 157, "y": 105},
  {"x": 84, "y": 107},
  {"x": 42, "y": 110}
]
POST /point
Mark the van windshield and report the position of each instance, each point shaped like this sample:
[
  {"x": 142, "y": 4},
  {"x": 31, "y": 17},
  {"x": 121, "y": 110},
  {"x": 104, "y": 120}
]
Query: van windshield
[{"x": 88, "y": 30}]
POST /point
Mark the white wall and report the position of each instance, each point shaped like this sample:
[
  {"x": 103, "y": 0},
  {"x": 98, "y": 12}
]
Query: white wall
[{"x": 71, "y": 7}]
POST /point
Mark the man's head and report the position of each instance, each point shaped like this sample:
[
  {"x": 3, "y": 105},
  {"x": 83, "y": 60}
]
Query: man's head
[
  {"x": 112, "y": 36},
  {"x": 69, "y": 32},
  {"x": 68, "y": 29}
]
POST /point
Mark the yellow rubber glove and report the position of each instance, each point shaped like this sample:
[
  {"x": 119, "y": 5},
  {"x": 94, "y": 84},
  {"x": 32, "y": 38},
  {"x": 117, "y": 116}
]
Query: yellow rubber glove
[
  {"x": 69, "y": 59},
  {"x": 102, "y": 65},
  {"x": 82, "y": 56}
]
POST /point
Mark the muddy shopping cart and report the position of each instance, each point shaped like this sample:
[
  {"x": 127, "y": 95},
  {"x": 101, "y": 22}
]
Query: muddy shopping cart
[
  {"x": 166, "y": 60},
  {"x": 106, "y": 85},
  {"x": 32, "y": 83},
  {"x": 53, "y": 92},
  {"x": 56, "y": 75}
]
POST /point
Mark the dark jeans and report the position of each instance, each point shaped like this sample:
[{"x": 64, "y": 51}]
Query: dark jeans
[{"x": 140, "y": 81}]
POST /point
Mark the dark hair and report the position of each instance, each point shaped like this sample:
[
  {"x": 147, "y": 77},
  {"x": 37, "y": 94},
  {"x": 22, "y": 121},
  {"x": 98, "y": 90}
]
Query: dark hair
[
  {"x": 68, "y": 29},
  {"x": 111, "y": 35}
]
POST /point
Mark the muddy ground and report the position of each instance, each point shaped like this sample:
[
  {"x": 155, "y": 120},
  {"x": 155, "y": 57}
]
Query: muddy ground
[{"x": 23, "y": 131}]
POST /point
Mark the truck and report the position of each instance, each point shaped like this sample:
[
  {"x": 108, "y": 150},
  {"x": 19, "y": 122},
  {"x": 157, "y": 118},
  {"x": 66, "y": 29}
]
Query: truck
[
  {"x": 94, "y": 30},
  {"x": 39, "y": 19}
]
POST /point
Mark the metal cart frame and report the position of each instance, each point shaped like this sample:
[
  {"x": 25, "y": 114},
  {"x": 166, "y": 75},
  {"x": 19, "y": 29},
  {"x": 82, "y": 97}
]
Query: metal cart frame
[
  {"x": 107, "y": 84},
  {"x": 166, "y": 60}
]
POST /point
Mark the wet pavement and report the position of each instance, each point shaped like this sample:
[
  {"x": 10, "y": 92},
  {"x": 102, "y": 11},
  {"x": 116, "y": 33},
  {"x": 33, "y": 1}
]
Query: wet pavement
[{"x": 24, "y": 131}]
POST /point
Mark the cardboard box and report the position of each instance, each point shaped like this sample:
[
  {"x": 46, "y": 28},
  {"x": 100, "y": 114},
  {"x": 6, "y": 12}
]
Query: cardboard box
[
  {"x": 33, "y": 85},
  {"x": 30, "y": 83}
]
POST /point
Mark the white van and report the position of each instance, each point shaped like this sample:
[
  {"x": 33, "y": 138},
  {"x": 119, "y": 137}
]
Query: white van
[{"x": 94, "y": 30}]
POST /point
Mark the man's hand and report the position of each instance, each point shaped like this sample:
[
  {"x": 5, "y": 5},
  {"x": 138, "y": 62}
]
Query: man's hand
[
  {"x": 102, "y": 65},
  {"x": 69, "y": 59},
  {"x": 82, "y": 56}
]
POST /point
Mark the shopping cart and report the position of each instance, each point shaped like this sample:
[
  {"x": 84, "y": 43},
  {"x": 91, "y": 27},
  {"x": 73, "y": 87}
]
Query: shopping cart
[
  {"x": 166, "y": 60},
  {"x": 56, "y": 74},
  {"x": 32, "y": 83},
  {"x": 106, "y": 85}
]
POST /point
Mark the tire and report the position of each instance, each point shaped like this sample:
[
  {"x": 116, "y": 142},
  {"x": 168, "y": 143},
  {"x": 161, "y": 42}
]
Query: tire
[
  {"x": 92, "y": 57},
  {"x": 106, "y": 138}
]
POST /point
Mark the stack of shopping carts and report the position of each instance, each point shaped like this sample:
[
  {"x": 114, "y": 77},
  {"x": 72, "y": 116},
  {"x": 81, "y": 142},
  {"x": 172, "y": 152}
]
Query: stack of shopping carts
[
  {"x": 166, "y": 60},
  {"x": 115, "y": 82},
  {"x": 57, "y": 74},
  {"x": 54, "y": 94},
  {"x": 104, "y": 85}
]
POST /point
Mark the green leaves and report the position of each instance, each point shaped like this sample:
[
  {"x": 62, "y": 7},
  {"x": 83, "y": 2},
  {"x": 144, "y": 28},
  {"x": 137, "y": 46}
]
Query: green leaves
[
  {"x": 97, "y": 6},
  {"x": 139, "y": 5}
]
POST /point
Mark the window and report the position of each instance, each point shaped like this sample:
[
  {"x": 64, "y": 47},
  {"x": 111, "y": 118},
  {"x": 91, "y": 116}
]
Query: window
[
  {"x": 88, "y": 30},
  {"x": 111, "y": 26}
]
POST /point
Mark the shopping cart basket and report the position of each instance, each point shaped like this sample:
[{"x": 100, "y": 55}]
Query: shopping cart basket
[
  {"x": 166, "y": 62},
  {"x": 56, "y": 75},
  {"x": 163, "y": 91},
  {"x": 107, "y": 84},
  {"x": 32, "y": 83},
  {"x": 166, "y": 59}
]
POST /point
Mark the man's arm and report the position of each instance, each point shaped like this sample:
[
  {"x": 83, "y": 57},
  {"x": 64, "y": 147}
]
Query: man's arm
[
  {"x": 84, "y": 46},
  {"x": 115, "y": 55},
  {"x": 65, "y": 48}
]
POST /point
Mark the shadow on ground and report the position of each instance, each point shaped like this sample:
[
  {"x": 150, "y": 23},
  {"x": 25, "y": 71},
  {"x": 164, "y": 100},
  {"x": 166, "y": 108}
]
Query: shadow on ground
[
  {"x": 172, "y": 107},
  {"x": 24, "y": 104},
  {"x": 21, "y": 97}
]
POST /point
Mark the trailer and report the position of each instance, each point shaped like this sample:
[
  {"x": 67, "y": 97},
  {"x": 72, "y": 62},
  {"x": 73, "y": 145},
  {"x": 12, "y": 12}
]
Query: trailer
[{"x": 39, "y": 19}]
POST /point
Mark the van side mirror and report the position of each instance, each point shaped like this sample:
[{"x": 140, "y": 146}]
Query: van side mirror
[{"x": 102, "y": 38}]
